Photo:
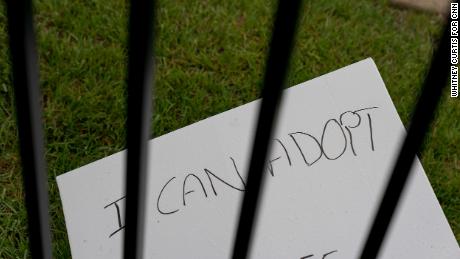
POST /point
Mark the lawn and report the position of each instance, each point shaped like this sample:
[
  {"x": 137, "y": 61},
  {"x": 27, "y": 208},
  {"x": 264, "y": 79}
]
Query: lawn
[{"x": 210, "y": 57}]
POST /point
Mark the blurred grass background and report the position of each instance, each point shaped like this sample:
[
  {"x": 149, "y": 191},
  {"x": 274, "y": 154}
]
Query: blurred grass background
[{"x": 210, "y": 57}]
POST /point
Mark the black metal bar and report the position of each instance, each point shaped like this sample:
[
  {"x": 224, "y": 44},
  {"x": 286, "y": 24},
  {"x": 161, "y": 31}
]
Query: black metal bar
[
  {"x": 139, "y": 82},
  {"x": 275, "y": 73},
  {"x": 28, "y": 115},
  {"x": 434, "y": 83}
]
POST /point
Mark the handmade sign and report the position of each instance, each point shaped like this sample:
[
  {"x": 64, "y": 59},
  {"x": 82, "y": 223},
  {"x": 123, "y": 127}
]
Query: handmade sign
[{"x": 335, "y": 143}]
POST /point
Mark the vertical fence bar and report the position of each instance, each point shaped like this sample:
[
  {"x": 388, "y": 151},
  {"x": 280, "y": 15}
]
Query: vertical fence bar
[
  {"x": 139, "y": 82},
  {"x": 434, "y": 83},
  {"x": 275, "y": 74},
  {"x": 28, "y": 115}
]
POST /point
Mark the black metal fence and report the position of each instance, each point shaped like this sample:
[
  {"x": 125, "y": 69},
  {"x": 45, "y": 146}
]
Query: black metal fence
[{"x": 139, "y": 83}]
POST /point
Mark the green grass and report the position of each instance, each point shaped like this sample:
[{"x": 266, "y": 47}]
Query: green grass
[{"x": 210, "y": 57}]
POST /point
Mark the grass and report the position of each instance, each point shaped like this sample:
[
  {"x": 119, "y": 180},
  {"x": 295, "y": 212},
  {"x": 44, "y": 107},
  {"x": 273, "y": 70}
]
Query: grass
[{"x": 209, "y": 58}]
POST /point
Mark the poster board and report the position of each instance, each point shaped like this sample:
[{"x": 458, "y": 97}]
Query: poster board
[{"x": 335, "y": 143}]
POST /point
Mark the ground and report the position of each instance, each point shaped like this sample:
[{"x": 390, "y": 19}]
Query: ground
[{"x": 210, "y": 57}]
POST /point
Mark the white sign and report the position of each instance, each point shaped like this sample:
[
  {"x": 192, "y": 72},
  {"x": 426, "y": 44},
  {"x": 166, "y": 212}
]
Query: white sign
[{"x": 333, "y": 150}]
